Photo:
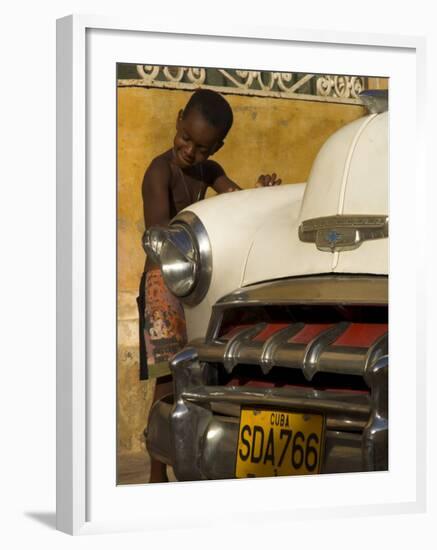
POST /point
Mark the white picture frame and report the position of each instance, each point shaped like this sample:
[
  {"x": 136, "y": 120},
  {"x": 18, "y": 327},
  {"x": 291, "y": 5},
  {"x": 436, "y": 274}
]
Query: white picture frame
[{"x": 80, "y": 384}]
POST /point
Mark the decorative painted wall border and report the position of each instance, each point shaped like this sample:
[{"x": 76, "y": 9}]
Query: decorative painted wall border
[{"x": 313, "y": 87}]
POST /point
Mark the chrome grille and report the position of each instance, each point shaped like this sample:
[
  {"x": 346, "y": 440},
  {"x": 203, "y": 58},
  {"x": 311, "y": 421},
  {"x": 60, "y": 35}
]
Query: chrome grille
[{"x": 284, "y": 349}]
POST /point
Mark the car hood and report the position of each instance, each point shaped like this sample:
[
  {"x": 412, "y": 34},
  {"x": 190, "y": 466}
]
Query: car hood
[{"x": 348, "y": 177}]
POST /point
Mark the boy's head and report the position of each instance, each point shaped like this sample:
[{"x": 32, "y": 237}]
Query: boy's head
[{"x": 201, "y": 127}]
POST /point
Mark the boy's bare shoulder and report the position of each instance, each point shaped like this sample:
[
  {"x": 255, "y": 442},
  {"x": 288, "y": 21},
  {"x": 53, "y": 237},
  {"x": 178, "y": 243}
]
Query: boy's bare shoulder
[{"x": 159, "y": 168}]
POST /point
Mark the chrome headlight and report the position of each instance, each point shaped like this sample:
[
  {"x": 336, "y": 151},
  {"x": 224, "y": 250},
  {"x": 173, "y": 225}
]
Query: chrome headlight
[{"x": 184, "y": 253}]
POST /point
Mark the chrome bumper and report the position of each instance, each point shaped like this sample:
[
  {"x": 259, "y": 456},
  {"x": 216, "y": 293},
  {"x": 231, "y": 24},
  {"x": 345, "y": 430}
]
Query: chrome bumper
[
  {"x": 200, "y": 444},
  {"x": 210, "y": 453}
]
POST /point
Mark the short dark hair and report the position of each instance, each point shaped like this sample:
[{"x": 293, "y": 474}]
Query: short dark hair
[{"x": 213, "y": 107}]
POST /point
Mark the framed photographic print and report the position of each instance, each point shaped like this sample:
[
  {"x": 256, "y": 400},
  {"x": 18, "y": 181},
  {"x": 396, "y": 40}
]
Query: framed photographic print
[{"x": 259, "y": 175}]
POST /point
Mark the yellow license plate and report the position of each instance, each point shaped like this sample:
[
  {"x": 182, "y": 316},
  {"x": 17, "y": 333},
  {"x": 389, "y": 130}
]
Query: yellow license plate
[{"x": 277, "y": 443}]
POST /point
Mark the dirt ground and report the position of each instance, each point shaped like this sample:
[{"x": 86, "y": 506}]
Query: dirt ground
[{"x": 134, "y": 469}]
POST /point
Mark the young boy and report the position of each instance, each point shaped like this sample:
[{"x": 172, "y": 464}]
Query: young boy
[
  {"x": 181, "y": 175},
  {"x": 174, "y": 180}
]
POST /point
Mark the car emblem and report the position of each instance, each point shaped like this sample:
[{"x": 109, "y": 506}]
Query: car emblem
[{"x": 340, "y": 232}]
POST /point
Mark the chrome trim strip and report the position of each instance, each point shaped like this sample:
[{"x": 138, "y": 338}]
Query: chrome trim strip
[
  {"x": 212, "y": 353},
  {"x": 343, "y": 232},
  {"x": 187, "y": 371},
  {"x": 277, "y": 351},
  {"x": 215, "y": 322},
  {"x": 333, "y": 422},
  {"x": 317, "y": 345},
  {"x": 375, "y": 434},
  {"x": 341, "y": 360},
  {"x": 231, "y": 353},
  {"x": 345, "y": 424},
  {"x": 312, "y": 290},
  {"x": 290, "y": 356},
  {"x": 300, "y": 399},
  {"x": 376, "y": 351},
  {"x": 270, "y": 347}
]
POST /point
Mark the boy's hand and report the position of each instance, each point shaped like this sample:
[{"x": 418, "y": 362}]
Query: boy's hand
[{"x": 268, "y": 180}]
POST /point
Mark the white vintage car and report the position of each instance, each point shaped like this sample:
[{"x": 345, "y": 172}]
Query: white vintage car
[{"x": 286, "y": 299}]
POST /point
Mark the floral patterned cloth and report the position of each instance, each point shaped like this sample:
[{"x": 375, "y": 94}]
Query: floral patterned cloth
[{"x": 164, "y": 327}]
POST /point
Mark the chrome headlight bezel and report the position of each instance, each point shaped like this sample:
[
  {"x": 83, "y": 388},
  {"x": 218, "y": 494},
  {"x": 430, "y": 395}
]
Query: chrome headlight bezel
[{"x": 183, "y": 251}]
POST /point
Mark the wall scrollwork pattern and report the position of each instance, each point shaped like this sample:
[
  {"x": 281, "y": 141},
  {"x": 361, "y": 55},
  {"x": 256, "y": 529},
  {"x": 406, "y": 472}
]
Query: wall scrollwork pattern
[{"x": 339, "y": 88}]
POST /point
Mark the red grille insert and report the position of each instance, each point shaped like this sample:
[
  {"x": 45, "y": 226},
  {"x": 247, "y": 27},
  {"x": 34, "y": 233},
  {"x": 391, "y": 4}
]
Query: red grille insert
[
  {"x": 233, "y": 331},
  {"x": 361, "y": 335},
  {"x": 270, "y": 329},
  {"x": 308, "y": 333}
]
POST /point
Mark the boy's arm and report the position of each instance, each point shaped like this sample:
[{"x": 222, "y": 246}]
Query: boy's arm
[
  {"x": 223, "y": 184},
  {"x": 155, "y": 193},
  {"x": 215, "y": 176}
]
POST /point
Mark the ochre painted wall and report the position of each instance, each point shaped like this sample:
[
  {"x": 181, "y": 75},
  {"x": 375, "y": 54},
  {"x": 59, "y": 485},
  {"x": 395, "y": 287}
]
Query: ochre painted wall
[{"x": 280, "y": 135}]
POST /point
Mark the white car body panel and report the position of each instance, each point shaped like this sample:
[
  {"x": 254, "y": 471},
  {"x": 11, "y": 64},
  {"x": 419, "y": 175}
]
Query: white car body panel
[
  {"x": 233, "y": 221},
  {"x": 254, "y": 233}
]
